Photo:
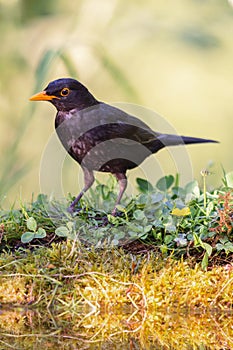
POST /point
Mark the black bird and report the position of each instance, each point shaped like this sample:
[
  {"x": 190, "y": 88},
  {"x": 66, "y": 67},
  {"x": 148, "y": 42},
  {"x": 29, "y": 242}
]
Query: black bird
[{"x": 101, "y": 137}]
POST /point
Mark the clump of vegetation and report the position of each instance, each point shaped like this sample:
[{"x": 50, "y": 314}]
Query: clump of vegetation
[{"x": 172, "y": 220}]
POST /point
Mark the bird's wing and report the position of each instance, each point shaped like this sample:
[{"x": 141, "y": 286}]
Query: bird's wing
[
  {"x": 102, "y": 122},
  {"x": 109, "y": 122}
]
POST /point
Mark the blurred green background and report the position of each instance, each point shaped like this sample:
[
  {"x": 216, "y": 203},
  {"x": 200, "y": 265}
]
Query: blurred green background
[{"x": 174, "y": 57}]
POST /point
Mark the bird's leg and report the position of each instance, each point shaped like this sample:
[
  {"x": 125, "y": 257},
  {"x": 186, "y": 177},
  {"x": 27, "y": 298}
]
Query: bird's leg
[
  {"x": 122, "y": 181},
  {"x": 88, "y": 181}
]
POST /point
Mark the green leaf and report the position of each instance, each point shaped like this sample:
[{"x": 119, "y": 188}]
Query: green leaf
[
  {"x": 70, "y": 226},
  {"x": 27, "y": 237},
  {"x": 207, "y": 247},
  {"x": 196, "y": 239},
  {"x": 225, "y": 245},
  {"x": 147, "y": 228},
  {"x": 142, "y": 199},
  {"x": 209, "y": 208},
  {"x": 156, "y": 197},
  {"x": 158, "y": 223},
  {"x": 220, "y": 246},
  {"x": 228, "y": 247},
  {"x": 119, "y": 235},
  {"x": 170, "y": 228},
  {"x": 133, "y": 234},
  {"x": 41, "y": 233},
  {"x": 192, "y": 187},
  {"x": 165, "y": 183},
  {"x": 224, "y": 239},
  {"x": 112, "y": 219},
  {"x": 139, "y": 214},
  {"x": 144, "y": 185},
  {"x": 205, "y": 261},
  {"x": 168, "y": 239},
  {"x": 163, "y": 248},
  {"x": 178, "y": 191},
  {"x": 62, "y": 231},
  {"x": 134, "y": 229},
  {"x": 121, "y": 208},
  {"x": 31, "y": 224}
]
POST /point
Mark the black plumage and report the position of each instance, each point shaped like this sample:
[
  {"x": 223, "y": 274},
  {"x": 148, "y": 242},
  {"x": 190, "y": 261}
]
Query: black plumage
[{"x": 101, "y": 137}]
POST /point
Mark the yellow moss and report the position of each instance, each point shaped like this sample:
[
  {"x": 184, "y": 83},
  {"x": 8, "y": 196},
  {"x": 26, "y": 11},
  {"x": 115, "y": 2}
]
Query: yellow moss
[
  {"x": 13, "y": 290},
  {"x": 12, "y": 321},
  {"x": 98, "y": 295}
]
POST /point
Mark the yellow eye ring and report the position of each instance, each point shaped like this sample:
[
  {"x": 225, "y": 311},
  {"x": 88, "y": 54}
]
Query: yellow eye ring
[{"x": 65, "y": 91}]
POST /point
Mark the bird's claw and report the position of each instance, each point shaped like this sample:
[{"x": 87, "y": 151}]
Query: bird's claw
[{"x": 72, "y": 210}]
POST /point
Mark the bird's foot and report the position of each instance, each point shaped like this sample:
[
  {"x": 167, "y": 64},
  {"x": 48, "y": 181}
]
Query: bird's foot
[
  {"x": 116, "y": 213},
  {"x": 72, "y": 210},
  {"x": 105, "y": 221}
]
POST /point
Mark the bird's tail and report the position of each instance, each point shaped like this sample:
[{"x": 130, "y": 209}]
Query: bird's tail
[
  {"x": 164, "y": 140},
  {"x": 188, "y": 139}
]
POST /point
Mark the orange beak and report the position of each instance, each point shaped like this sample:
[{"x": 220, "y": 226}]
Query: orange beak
[{"x": 42, "y": 96}]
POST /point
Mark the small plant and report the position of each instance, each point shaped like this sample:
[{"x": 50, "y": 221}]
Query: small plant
[
  {"x": 67, "y": 231},
  {"x": 33, "y": 232}
]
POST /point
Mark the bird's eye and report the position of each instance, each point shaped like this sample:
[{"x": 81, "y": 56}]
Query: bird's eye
[{"x": 65, "y": 92}]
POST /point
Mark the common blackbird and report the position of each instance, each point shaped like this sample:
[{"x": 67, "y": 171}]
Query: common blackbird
[{"x": 101, "y": 137}]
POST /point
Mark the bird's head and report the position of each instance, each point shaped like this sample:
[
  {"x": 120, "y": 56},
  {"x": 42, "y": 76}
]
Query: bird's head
[{"x": 66, "y": 94}]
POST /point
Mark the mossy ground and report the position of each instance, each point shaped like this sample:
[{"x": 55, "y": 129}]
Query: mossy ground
[
  {"x": 107, "y": 278},
  {"x": 67, "y": 294}
]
